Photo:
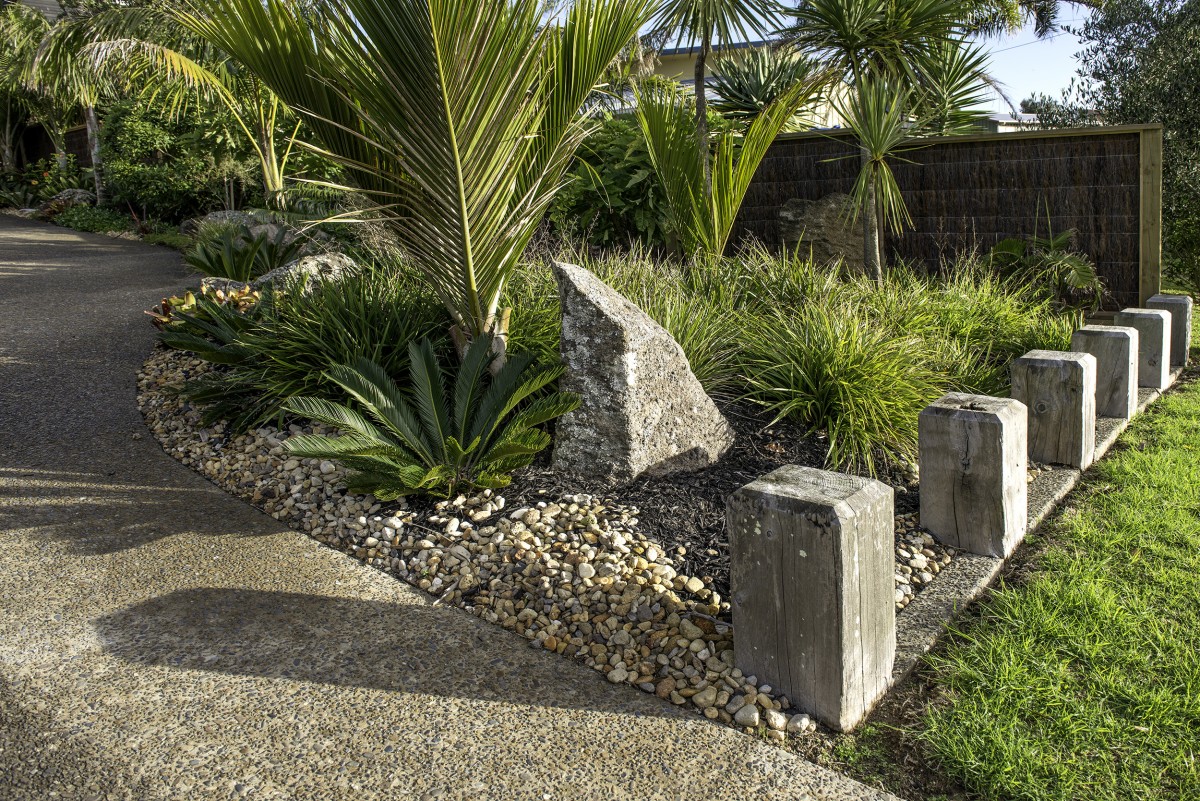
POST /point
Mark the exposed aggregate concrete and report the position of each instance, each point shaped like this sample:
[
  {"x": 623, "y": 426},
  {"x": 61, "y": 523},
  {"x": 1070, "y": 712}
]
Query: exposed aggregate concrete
[{"x": 162, "y": 640}]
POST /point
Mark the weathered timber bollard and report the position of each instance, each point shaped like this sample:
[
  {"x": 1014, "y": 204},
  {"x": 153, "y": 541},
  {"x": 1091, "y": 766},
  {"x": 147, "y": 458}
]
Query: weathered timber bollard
[
  {"x": 1180, "y": 309},
  {"x": 813, "y": 593},
  {"x": 974, "y": 472},
  {"x": 1116, "y": 352},
  {"x": 1154, "y": 344},
  {"x": 1059, "y": 389}
]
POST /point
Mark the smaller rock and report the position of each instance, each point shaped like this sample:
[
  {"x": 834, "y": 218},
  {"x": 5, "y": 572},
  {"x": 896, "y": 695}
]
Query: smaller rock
[
  {"x": 775, "y": 719},
  {"x": 799, "y": 723},
  {"x": 747, "y": 716}
]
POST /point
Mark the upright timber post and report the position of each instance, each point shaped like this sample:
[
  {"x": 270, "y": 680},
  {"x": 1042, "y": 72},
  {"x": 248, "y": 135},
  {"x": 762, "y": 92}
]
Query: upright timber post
[
  {"x": 1180, "y": 309},
  {"x": 1116, "y": 352},
  {"x": 1154, "y": 344},
  {"x": 974, "y": 472},
  {"x": 1059, "y": 389},
  {"x": 813, "y": 589}
]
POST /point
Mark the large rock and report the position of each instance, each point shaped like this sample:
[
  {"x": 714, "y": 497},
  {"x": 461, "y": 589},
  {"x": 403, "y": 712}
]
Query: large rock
[
  {"x": 823, "y": 227},
  {"x": 642, "y": 412},
  {"x": 324, "y": 266},
  {"x": 66, "y": 199}
]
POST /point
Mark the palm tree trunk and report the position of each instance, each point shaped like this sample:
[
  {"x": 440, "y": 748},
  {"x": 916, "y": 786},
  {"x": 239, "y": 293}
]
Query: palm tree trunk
[
  {"x": 702, "y": 111},
  {"x": 8, "y": 136},
  {"x": 93, "y": 136}
]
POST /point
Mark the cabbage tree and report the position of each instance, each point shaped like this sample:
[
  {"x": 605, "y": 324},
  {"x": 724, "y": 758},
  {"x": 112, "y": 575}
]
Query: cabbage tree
[
  {"x": 456, "y": 118},
  {"x": 873, "y": 44}
]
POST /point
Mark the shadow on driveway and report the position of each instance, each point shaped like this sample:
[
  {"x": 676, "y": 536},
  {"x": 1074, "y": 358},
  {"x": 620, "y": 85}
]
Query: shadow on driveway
[{"x": 394, "y": 647}]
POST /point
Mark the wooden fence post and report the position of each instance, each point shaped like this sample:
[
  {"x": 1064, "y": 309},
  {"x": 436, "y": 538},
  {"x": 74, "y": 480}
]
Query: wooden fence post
[
  {"x": 1116, "y": 352},
  {"x": 1059, "y": 389},
  {"x": 813, "y": 594},
  {"x": 974, "y": 472}
]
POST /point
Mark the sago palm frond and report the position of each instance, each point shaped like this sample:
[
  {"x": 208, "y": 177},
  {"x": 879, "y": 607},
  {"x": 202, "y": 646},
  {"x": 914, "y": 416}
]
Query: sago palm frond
[{"x": 420, "y": 440}]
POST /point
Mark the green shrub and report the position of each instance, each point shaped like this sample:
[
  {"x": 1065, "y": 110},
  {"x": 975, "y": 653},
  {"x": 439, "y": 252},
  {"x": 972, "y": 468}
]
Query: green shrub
[
  {"x": 168, "y": 239},
  {"x": 174, "y": 163},
  {"x": 613, "y": 197},
  {"x": 826, "y": 365},
  {"x": 298, "y": 333},
  {"x": 93, "y": 219},
  {"x": 418, "y": 440}
]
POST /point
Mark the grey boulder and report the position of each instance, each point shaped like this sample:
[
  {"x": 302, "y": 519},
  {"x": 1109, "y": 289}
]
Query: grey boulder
[
  {"x": 321, "y": 267},
  {"x": 642, "y": 411},
  {"x": 822, "y": 228}
]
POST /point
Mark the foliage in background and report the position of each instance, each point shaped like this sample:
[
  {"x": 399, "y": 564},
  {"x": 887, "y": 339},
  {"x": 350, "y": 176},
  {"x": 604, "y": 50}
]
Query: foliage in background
[
  {"x": 704, "y": 187},
  {"x": 883, "y": 51},
  {"x": 93, "y": 219},
  {"x": 612, "y": 197},
  {"x": 748, "y": 81},
  {"x": 172, "y": 166},
  {"x": 433, "y": 436},
  {"x": 1140, "y": 63}
]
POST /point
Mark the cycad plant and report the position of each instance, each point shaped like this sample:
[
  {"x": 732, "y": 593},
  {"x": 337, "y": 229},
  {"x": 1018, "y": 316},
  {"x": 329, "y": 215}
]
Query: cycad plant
[
  {"x": 457, "y": 118},
  {"x": 422, "y": 441},
  {"x": 703, "y": 218}
]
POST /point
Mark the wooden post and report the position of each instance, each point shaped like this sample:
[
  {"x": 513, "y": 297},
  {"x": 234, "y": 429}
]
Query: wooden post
[
  {"x": 1116, "y": 352},
  {"x": 1150, "y": 214},
  {"x": 1154, "y": 344},
  {"x": 1059, "y": 389},
  {"x": 974, "y": 472},
  {"x": 813, "y": 593},
  {"x": 1180, "y": 309}
]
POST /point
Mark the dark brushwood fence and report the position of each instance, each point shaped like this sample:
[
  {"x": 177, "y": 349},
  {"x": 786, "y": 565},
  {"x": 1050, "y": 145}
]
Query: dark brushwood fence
[{"x": 972, "y": 191}]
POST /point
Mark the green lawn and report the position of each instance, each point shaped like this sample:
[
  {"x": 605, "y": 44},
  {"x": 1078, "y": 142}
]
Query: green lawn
[{"x": 1081, "y": 679}]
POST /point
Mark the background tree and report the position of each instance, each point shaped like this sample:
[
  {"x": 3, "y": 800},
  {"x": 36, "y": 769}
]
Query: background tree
[
  {"x": 879, "y": 43},
  {"x": 748, "y": 81},
  {"x": 22, "y": 30},
  {"x": 709, "y": 22},
  {"x": 1140, "y": 63}
]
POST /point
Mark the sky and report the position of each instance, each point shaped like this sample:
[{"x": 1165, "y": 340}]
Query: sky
[{"x": 1025, "y": 65}]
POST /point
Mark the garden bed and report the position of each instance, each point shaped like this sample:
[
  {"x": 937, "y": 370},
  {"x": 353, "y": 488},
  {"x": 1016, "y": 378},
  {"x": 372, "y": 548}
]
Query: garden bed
[{"x": 630, "y": 581}]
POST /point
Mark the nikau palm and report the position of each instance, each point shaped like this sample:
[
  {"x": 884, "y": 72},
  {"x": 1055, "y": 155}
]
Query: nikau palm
[{"x": 457, "y": 118}]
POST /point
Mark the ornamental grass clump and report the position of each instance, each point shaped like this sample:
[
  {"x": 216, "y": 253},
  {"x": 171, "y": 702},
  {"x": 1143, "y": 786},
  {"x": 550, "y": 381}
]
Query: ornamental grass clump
[
  {"x": 430, "y": 437},
  {"x": 827, "y": 365}
]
